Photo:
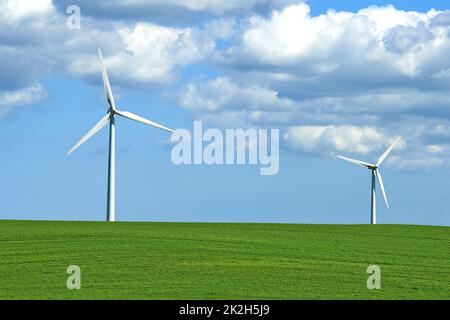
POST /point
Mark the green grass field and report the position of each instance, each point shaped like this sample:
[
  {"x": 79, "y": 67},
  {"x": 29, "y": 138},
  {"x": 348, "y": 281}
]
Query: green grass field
[{"x": 222, "y": 261}]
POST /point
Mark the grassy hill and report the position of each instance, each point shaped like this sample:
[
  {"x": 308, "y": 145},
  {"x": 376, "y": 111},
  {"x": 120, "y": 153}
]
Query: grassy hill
[{"x": 222, "y": 261}]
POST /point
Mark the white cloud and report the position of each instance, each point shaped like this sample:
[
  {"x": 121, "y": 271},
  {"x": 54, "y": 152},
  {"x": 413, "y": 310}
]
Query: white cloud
[
  {"x": 442, "y": 130},
  {"x": 337, "y": 82},
  {"x": 222, "y": 93},
  {"x": 145, "y": 53},
  {"x": 399, "y": 42},
  {"x": 288, "y": 35},
  {"x": 435, "y": 148},
  {"x": 331, "y": 139},
  {"x": 355, "y": 80},
  {"x": 415, "y": 163},
  {"x": 12, "y": 11},
  {"x": 29, "y": 95},
  {"x": 170, "y": 9},
  {"x": 384, "y": 102},
  {"x": 36, "y": 41},
  {"x": 157, "y": 50},
  {"x": 217, "y": 7}
]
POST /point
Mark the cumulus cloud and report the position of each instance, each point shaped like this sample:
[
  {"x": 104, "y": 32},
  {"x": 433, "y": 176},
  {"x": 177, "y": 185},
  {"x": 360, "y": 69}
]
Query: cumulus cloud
[
  {"x": 16, "y": 98},
  {"x": 147, "y": 54},
  {"x": 355, "y": 79},
  {"x": 374, "y": 49},
  {"x": 435, "y": 148},
  {"x": 36, "y": 42},
  {"x": 13, "y": 11},
  {"x": 399, "y": 41},
  {"x": 223, "y": 93},
  {"x": 387, "y": 103},
  {"x": 163, "y": 47},
  {"x": 415, "y": 163},
  {"x": 335, "y": 82},
  {"x": 174, "y": 11},
  {"x": 332, "y": 139},
  {"x": 441, "y": 130},
  {"x": 24, "y": 34}
]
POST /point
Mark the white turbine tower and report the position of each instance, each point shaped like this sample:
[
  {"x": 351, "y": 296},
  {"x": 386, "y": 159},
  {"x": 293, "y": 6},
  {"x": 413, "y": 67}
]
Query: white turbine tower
[
  {"x": 375, "y": 173},
  {"x": 110, "y": 117}
]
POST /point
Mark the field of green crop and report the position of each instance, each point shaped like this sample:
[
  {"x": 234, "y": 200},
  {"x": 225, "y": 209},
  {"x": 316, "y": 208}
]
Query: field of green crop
[{"x": 222, "y": 261}]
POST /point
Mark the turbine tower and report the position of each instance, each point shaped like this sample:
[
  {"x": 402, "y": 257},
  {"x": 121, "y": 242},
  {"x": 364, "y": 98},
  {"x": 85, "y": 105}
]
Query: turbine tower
[
  {"x": 110, "y": 117},
  {"x": 375, "y": 174}
]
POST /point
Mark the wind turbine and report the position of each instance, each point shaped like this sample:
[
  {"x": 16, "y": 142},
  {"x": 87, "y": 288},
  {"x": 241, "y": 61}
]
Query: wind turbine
[
  {"x": 375, "y": 173},
  {"x": 110, "y": 117}
]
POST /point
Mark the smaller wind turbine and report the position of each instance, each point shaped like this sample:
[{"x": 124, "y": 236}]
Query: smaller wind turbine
[{"x": 375, "y": 173}]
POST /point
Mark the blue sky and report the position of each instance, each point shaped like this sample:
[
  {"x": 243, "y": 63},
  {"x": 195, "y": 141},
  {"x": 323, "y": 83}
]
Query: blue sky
[{"x": 346, "y": 81}]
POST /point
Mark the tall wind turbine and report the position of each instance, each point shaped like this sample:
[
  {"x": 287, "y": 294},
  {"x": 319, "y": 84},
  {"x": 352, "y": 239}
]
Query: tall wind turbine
[
  {"x": 375, "y": 173},
  {"x": 110, "y": 117}
]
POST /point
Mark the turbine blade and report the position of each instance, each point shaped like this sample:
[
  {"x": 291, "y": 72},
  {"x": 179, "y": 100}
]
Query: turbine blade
[
  {"x": 106, "y": 85},
  {"x": 137, "y": 118},
  {"x": 388, "y": 150},
  {"x": 91, "y": 132},
  {"x": 357, "y": 162},
  {"x": 380, "y": 181}
]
